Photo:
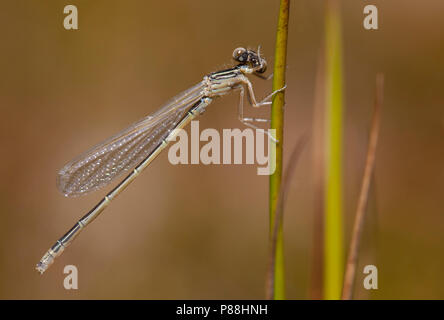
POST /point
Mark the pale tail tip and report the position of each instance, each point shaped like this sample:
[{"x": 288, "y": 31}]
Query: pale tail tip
[
  {"x": 40, "y": 267},
  {"x": 44, "y": 263}
]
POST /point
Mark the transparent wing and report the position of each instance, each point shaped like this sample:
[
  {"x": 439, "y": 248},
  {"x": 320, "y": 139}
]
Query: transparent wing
[{"x": 122, "y": 152}]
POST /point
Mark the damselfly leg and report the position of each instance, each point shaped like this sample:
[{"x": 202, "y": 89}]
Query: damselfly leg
[{"x": 251, "y": 98}]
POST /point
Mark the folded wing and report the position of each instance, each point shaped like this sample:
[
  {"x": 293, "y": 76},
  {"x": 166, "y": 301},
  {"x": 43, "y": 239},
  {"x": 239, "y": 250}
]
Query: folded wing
[{"x": 122, "y": 152}]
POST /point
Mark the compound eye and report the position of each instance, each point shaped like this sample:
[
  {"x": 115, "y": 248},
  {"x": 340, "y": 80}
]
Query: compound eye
[{"x": 240, "y": 54}]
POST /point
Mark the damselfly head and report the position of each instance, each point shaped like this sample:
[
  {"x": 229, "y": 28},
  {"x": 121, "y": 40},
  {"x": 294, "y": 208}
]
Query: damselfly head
[{"x": 251, "y": 59}]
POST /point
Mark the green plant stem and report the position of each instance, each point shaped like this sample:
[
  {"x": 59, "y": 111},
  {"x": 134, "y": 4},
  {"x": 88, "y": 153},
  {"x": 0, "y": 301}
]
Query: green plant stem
[
  {"x": 333, "y": 238},
  {"x": 317, "y": 251},
  {"x": 277, "y": 123}
]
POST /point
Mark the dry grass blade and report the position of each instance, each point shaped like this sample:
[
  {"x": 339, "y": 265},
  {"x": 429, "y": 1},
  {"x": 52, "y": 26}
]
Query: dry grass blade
[{"x": 350, "y": 271}]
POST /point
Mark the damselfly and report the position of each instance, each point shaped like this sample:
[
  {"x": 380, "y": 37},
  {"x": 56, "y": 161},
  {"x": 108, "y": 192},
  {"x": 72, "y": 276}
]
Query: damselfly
[{"x": 133, "y": 149}]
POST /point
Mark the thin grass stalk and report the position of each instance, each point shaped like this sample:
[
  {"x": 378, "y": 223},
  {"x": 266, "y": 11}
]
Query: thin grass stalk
[
  {"x": 288, "y": 174},
  {"x": 277, "y": 123},
  {"x": 350, "y": 273},
  {"x": 333, "y": 237}
]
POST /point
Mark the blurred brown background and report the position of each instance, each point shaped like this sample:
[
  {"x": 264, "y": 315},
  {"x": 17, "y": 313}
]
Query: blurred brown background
[{"x": 201, "y": 231}]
